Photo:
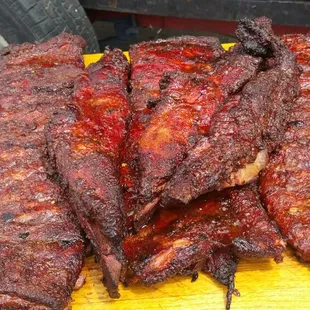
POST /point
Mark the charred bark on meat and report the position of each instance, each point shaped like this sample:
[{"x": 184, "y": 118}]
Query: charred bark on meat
[
  {"x": 84, "y": 145},
  {"x": 41, "y": 245},
  {"x": 246, "y": 126},
  {"x": 210, "y": 235},
  {"x": 149, "y": 60},
  {"x": 285, "y": 182}
]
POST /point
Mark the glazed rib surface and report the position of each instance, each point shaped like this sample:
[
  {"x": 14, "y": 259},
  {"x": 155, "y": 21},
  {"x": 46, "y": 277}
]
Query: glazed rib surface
[
  {"x": 285, "y": 183},
  {"x": 210, "y": 234},
  {"x": 182, "y": 117},
  {"x": 149, "y": 60},
  {"x": 84, "y": 147},
  {"x": 41, "y": 246},
  {"x": 244, "y": 127}
]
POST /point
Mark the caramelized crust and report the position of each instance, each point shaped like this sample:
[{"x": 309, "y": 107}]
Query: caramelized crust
[
  {"x": 285, "y": 183},
  {"x": 215, "y": 228},
  {"x": 149, "y": 60},
  {"x": 183, "y": 54},
  {"x": 245, "y": 126},
  {"x": 182, "y": 118},
  {"x": 41, "y": 246},
  {"x": 61, "y": 50},
  {"x": 84, "y": 145}
]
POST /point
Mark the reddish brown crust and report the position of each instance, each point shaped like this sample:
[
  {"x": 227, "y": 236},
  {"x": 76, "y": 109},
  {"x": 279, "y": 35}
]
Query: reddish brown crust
[
  {"x": 243, "y": 127},
  {"x": 210, "y": 235},
  {"x": 285, "y": 183},
  {"x": 41, "y": 246},
  {"x": 149, "y": 60},
  {"x": 84, "y": 145},
  {"x": 8, "y": 302},
  {"x": 178, "y": 239},
  {"x": 182, "y": 118},
  {"x": 40, "y": 273},
  {"x": 62, "y": 49}
]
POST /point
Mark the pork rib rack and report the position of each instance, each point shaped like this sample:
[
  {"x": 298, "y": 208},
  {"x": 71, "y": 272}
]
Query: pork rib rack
[
  {"x": 84, "y": 145},
  {"x": 41, "y": 247},
  {"x": 181, "y": 118},
  {"x": 211, "y": 234},
  {"x": 244, "y": 129},
  {"x": 285, "y": 183},
  {"x": 149, "y": 60}
]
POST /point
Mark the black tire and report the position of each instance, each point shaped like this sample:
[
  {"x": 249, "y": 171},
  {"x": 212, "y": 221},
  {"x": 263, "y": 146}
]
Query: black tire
[{"x": 38, "y": 20}]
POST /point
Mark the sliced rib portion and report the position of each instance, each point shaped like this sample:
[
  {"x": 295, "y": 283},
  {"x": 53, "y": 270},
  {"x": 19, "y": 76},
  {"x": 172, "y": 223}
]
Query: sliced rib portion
[
  {"x": 245, "y": 127},
  {"x": 61, "y": 50},
  {"x": 285, "y": 183},
  {"x": 84, "y": 145},
  {"x": 149, "y": 60},
  {"x": 185, "y": 240},
  {"x": 41, "y": 246},
  {"x": 182, "y": 118}
]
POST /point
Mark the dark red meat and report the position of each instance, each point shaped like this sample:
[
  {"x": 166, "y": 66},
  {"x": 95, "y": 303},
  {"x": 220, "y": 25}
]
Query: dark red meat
[
  {"x": 149, "y": 60},
  {"x": 215, "y": 230},
  {"x": 183, "y": 117},
  {"x": 41, "y": 246},
  {"x": 244, "y": 127},
  {"x": 61, "y": 50},
  {"x": 285, "y": 185},
  {"x": 84, "y": 147}
]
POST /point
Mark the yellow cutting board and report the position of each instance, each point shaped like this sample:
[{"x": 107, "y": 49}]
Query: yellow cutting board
[
  {"x": 262, "y": 285},
  {"x": 88, "y": 59}
]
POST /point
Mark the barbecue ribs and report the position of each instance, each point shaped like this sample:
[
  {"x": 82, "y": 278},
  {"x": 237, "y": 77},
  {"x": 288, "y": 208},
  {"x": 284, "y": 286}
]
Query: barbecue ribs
[
  {"x": 215, "y": 230},
  {"x": 181, "y": 118},
  {"x": 84, "y": 146},
  {"x": 41, "y": 246},
  {"x": 285, "y": 183},
  {"x": 247, "y": 128},
  {"x": 149, "y": 60}
]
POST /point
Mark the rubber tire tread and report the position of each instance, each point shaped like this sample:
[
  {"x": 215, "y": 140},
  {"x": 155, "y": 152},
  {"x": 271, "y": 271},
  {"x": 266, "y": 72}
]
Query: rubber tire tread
[{"x": 38, "y": 20}]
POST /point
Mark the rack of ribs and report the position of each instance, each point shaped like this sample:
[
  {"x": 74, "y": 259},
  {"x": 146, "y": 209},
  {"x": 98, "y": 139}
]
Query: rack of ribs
[
  {"x": 211, "y": 234},
  {"x": 181, "y": 118},
  {"x": 41, "y": 246},
  {"x": 149, "y": 60},
  {"x": 84, "y": 144},
  {"x": 285, "y": 182},
  {"x": 246, "y": 129}
]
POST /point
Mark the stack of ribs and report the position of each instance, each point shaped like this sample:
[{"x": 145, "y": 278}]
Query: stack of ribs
[
  {"x": 149, "y": 60},
  {"x": 211, "y": 233},
  {"x": 41, "y": 245},
  {"x": 84, "y": 149},
  {"x": 285, "y": 183},
  {"x": 156, "y": 162},
  {"x": 206, "y": 132}
]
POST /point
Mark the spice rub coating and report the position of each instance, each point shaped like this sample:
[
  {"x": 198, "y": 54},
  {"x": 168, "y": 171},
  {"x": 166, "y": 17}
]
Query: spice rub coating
[
  {"x": 216, "y": 227},
  {"x": 41, "y": 245},
  {"x": 149, "y": 61},
  {"x": 285, "y": 182},
  {"x": 244, "y": 127},
  {"x": 84, "y": 144}
]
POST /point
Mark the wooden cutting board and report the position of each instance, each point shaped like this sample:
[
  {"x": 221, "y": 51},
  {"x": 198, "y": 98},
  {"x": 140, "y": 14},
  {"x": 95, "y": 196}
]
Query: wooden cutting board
[
  {"x": 262, "y": 285},
  {"x": 88, "y": 59}
]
